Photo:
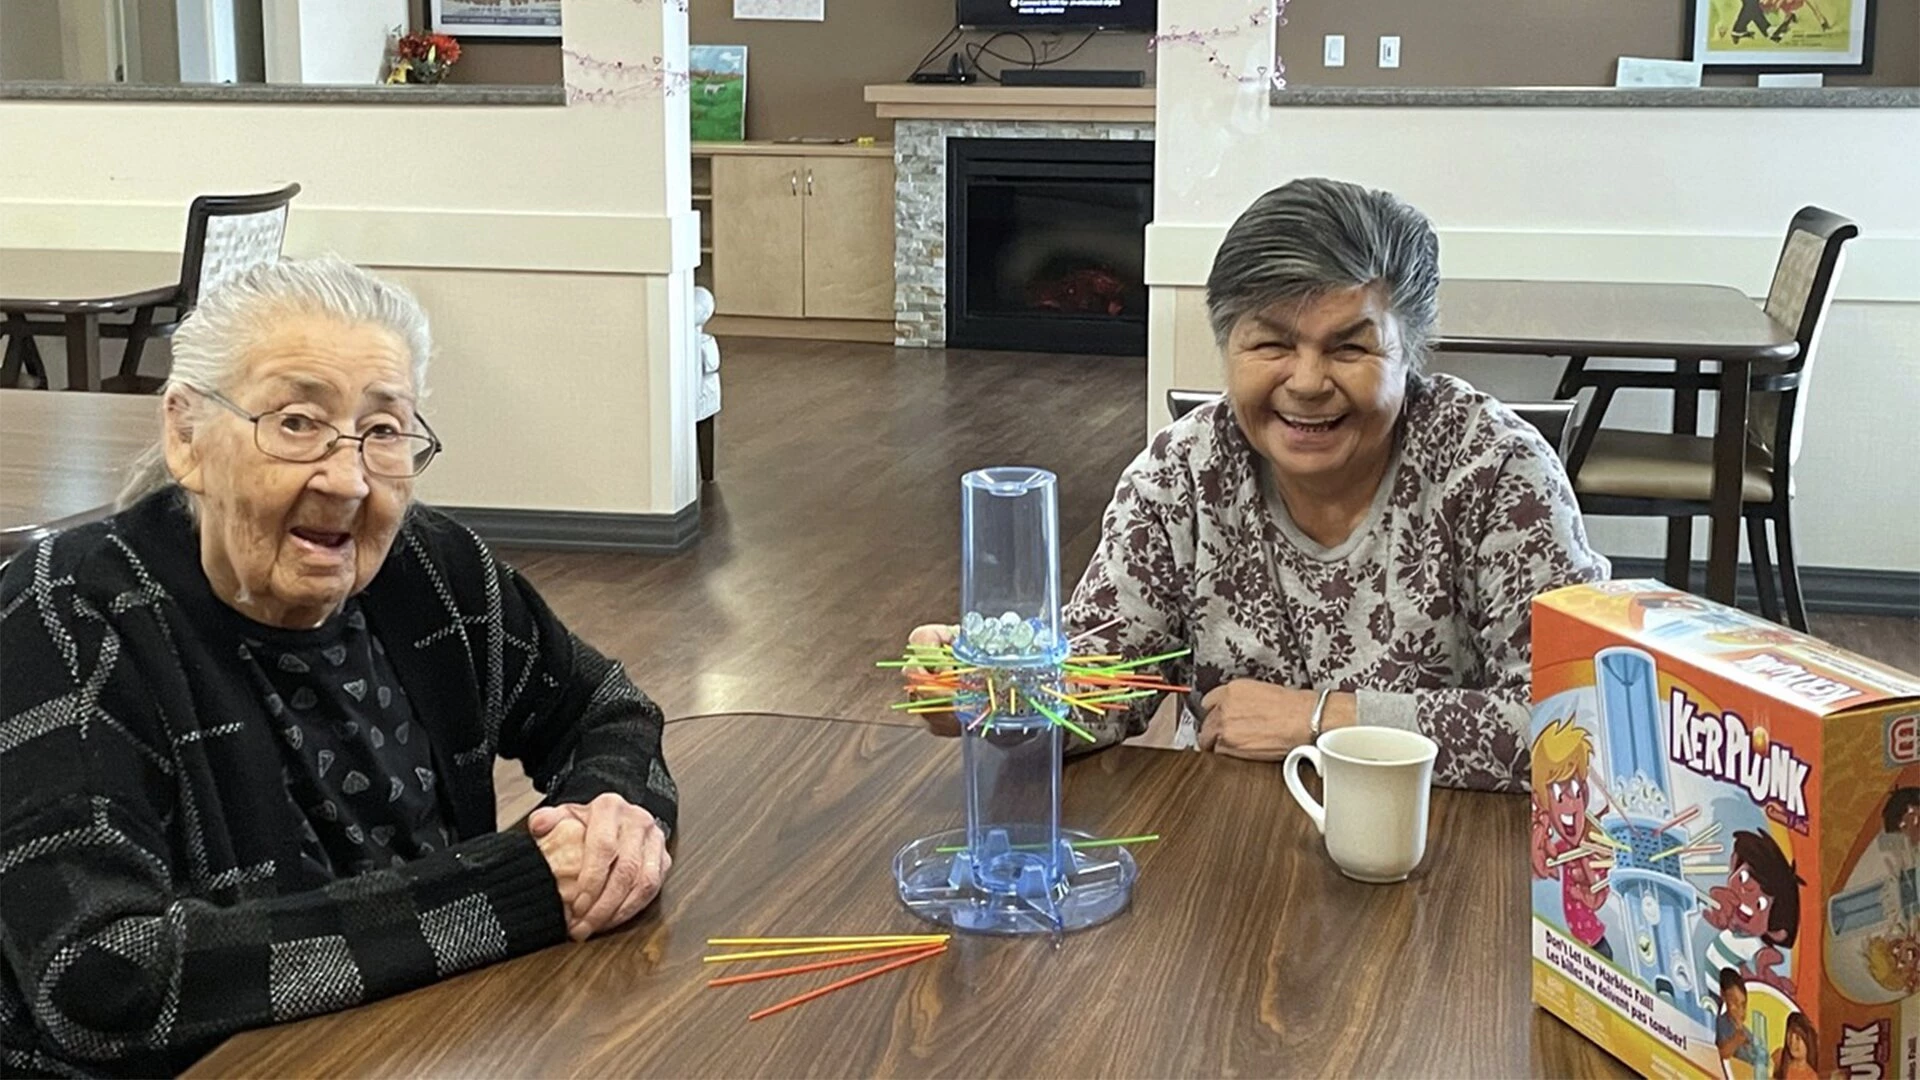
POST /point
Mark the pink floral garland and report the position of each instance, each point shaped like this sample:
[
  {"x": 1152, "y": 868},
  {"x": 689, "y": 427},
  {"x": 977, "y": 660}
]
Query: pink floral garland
[
  {"x": 633, "y": 79},
  {"x": 1208, "y": 42}
]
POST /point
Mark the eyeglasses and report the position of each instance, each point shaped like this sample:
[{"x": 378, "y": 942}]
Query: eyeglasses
[{"x": 290, "y": 436}]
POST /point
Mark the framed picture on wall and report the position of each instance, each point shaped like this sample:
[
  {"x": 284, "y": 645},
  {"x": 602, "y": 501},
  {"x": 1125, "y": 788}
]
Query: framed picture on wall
[
  {"x": 495, "y": 18},
  {"x": 1834, "y": 36},
  {"x": 717, "y": 91}
]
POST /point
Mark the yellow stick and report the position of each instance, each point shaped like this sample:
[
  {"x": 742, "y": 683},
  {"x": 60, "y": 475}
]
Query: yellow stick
[
  {"x": 1075, "y": 702},
  {"x": 876, "y": 939},
  {"x": 802, "y": 950},
  {"x": 1674, "y": 850},
  {"x": 1576, "y": 853}
]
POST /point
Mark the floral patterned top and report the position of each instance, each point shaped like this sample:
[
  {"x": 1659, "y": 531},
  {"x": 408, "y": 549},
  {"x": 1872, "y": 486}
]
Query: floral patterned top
[{"x": 1423, "y": 612}]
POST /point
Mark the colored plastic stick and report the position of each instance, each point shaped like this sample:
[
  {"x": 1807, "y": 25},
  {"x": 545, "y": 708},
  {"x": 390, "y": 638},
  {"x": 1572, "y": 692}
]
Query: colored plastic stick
[{"x": 848, "y": 981}]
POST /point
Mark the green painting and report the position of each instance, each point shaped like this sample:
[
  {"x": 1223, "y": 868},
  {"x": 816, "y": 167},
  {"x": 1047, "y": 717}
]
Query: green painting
[{"x": 717, "y": 84}]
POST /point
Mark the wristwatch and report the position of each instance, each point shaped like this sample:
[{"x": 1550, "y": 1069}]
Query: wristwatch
[{"x": 1319, "y": 712}]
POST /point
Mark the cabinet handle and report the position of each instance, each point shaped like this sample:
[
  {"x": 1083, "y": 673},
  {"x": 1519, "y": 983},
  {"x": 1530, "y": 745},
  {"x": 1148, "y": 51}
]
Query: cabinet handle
[
  {"x": 793, "y": 178},
  {"x": 809, "y": 182}
]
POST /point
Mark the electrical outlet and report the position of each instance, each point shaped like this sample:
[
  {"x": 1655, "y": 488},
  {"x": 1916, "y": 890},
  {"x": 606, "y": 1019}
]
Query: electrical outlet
[
  {"x": 1389, "y": 50},
  {"x": 1336, "y": 50}
]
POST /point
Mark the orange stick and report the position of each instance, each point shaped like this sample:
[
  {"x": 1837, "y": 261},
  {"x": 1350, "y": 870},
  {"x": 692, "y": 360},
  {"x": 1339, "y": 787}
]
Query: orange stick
[
  {"x": 820, "y": 965},
  {"x": 924, "y": 954}
]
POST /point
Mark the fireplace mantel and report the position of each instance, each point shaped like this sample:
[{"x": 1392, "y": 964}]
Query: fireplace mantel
[{"x": 1058, "y": 104}]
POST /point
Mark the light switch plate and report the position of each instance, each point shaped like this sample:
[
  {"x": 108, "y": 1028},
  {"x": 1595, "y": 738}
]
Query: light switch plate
[
  {"x": 1336, "y": 55},
  {"x": 1390, "y": 50}
]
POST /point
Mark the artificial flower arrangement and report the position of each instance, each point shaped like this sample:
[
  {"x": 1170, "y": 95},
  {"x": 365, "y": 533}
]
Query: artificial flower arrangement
[{"x": 423, "y": 58}]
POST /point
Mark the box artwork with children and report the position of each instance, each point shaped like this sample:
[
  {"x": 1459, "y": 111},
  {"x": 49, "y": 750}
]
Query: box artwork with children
[{"x": 1725, "y": 825}]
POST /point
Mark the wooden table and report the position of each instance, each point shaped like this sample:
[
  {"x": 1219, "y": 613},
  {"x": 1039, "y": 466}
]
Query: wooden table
[
  {"x": 77, "y": 288},
  {"x": 64, "y": 457},
  {"x": 1245, "y": 952},
  {"x": 1685, "y": 324}
]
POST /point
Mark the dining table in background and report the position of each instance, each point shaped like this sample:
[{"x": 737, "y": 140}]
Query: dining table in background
[
  {"x": 1245, "y": 952},
  {"x": 64, "y": 457},
  {"x": 1687, "y": 325},
  {"x": 78, "y": 288}
]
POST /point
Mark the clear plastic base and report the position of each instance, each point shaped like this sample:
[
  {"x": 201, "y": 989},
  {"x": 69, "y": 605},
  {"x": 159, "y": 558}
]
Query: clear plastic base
[{"x": 1005, "y": 890}]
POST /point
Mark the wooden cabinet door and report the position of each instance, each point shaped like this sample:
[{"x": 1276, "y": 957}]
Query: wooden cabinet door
[
  {"x": 849, "y": 229},
  {"x": 758, "y": 216}
]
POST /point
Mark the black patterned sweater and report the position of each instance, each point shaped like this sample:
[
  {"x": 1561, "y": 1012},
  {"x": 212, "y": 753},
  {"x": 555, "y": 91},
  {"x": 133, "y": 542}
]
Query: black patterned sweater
[{"x": 153, "y": 898}]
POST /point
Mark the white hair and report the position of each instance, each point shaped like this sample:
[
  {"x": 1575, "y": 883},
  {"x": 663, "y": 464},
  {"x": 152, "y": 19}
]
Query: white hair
[{"x": 211, "y": 347}]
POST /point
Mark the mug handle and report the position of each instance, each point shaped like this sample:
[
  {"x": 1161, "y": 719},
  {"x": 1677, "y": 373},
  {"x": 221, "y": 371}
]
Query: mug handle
[{"x": 1305, "y": 752}]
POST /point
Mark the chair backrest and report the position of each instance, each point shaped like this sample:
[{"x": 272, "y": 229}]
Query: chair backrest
[
  {"x": 1799, "y": 297},
  {"x": 1182, "y": 402},
  {"x": 1553, "y": 419},
  {"x": 229, "y": 234}
]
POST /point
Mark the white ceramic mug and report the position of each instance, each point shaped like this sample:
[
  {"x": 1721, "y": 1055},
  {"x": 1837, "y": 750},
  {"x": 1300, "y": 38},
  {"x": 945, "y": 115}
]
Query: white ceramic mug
[{"x": 1375, "y": 782}]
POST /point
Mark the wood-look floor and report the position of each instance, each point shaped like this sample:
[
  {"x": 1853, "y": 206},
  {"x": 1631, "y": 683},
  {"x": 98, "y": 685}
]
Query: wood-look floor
[{"x": 833, "y": 526}]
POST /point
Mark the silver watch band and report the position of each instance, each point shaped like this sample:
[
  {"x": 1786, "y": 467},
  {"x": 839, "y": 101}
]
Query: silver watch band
[{"x": 1319, "y": 712}]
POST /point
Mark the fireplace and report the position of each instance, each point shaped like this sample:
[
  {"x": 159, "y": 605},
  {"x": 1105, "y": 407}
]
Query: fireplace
[{"x": 1046, "y": 244}]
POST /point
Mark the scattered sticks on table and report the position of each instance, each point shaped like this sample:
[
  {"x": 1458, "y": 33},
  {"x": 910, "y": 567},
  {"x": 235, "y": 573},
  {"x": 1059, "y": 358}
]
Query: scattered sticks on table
[{"x": 892, "y": 951}]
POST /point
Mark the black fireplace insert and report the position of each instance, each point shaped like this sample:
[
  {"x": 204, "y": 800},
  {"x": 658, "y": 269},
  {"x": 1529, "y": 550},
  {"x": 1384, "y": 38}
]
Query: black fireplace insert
[{"x": 1046, "y": 244}]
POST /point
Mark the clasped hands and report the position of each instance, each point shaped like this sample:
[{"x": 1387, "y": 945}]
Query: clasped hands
[{"x": 609, "y": 858}]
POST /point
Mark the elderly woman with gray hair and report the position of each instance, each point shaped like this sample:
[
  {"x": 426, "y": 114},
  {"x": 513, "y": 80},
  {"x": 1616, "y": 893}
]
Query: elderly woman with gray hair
[
  {"x": 1341, "y": 539},
  {"x": 249, "y": 722}
]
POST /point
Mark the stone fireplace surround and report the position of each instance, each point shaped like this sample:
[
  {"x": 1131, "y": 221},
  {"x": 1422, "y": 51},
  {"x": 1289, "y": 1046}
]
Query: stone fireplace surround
[{"x": 920, "y": 207}]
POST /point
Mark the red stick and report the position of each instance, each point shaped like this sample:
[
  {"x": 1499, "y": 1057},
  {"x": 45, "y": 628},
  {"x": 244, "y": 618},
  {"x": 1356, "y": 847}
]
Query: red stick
[
  {"x": 820, "y": 964},
  {"x": 924, "y": 954}
]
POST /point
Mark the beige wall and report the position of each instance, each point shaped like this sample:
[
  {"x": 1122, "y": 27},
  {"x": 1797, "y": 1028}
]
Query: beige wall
[
  {"x": 159, "y": 42},
  {"x": 807, "y": 78},
  {"x": 1504, "y": 43},
  {"x": 557, "y": 276},
  {"x": 1626, "y": 194},
  {"x": 30, "y": 39}
]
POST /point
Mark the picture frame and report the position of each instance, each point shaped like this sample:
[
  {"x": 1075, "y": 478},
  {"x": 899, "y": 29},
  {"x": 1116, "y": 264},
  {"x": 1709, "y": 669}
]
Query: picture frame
[
  {"x": 1833, "y": 37},
  {"x": 524, "y": 19},
  {"x": 717, "y": 93}
]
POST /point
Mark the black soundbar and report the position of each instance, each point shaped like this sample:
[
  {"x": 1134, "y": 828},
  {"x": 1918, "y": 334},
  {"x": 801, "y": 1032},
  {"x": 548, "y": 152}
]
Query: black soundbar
[{"x": 1014, "y": 76}]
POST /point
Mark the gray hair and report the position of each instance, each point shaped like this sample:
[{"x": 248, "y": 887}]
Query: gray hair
[
  {"x": 210, "y": 348},
  {"x": 1315, "y": 235}
]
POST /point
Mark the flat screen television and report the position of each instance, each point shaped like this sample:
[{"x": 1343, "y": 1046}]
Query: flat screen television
[{"x": 1045, "y": 15}]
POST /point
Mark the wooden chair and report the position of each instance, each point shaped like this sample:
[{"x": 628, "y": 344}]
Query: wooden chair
[
  {"x": 21, "y": 366},
  {"x": 226, "y": 235},
  {"x": 1652, "y": 474},
  {"x": 1554, "y": 419}
]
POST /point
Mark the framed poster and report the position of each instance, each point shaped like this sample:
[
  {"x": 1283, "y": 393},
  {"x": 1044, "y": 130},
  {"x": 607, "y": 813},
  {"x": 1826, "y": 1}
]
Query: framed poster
[
  {"x": 1834, "y": 36},
  {"x": 495, "y": 18},
  {"x": 717, "y": 91}
]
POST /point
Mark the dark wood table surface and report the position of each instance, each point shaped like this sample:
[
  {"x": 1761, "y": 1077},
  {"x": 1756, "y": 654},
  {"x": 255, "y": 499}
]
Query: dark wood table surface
[
  {"x": 64, "y": 457},
  {"x": 1687, "y": 324},
  {"x": 78, "y": 287},
  {"x": 1245, "y": 952}
]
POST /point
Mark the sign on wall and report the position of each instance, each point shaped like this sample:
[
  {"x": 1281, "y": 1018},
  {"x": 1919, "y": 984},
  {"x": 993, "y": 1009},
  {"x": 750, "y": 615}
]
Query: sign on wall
[
  {"x": 496, "y": 18},
  {"x": 1784, "y": 35}
]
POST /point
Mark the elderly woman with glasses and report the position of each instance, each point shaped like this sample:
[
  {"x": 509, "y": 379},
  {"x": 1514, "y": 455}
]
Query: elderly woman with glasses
[
  {"x": 248, "y": 725},
  {"x": 1340, "y": 539}
]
